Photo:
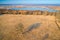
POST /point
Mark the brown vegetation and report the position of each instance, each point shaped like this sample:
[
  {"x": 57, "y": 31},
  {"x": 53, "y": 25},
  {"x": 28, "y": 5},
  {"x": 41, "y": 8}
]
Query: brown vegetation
[
  {"x": 26, "y": 12},
  {"x": 13, "y": 27}
]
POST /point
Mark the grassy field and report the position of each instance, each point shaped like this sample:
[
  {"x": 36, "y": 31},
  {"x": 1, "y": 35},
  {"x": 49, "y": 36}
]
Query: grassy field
[
  {"x": 58, "y": 18},
  {"x": 12, "y": 27}
]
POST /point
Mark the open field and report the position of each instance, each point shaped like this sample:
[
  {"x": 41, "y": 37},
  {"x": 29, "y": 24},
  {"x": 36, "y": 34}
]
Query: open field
[
  {"x": 13, "y": 27},
  {"x": 29, "y": 25}
]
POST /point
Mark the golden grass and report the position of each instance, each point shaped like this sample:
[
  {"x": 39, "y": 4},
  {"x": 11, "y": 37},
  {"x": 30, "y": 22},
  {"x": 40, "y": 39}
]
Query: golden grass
[{"x": 12, "y": 27}]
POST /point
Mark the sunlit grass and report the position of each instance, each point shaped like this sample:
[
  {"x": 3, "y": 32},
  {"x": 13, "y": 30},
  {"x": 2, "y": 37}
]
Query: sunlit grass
[
  {"x": 12, "y": 31},
  {"x": 58, "y": 16}
]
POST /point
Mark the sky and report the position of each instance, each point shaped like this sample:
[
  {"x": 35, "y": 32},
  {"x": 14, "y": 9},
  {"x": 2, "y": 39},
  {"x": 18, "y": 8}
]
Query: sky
[{"x": 29, "y": 1}]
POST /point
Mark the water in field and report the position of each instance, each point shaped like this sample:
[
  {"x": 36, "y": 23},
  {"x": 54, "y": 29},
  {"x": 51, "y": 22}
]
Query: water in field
[{"x": 35, "y": 8}]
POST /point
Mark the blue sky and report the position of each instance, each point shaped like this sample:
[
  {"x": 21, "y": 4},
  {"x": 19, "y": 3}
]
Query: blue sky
[{"x": 29, "y": 1}]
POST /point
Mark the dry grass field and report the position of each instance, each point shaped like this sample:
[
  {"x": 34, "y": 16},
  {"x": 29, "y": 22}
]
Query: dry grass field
[{"x": 16, "y": 27}]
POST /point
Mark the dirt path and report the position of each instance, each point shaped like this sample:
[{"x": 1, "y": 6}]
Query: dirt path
[{"x": 47, "y": 30}]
